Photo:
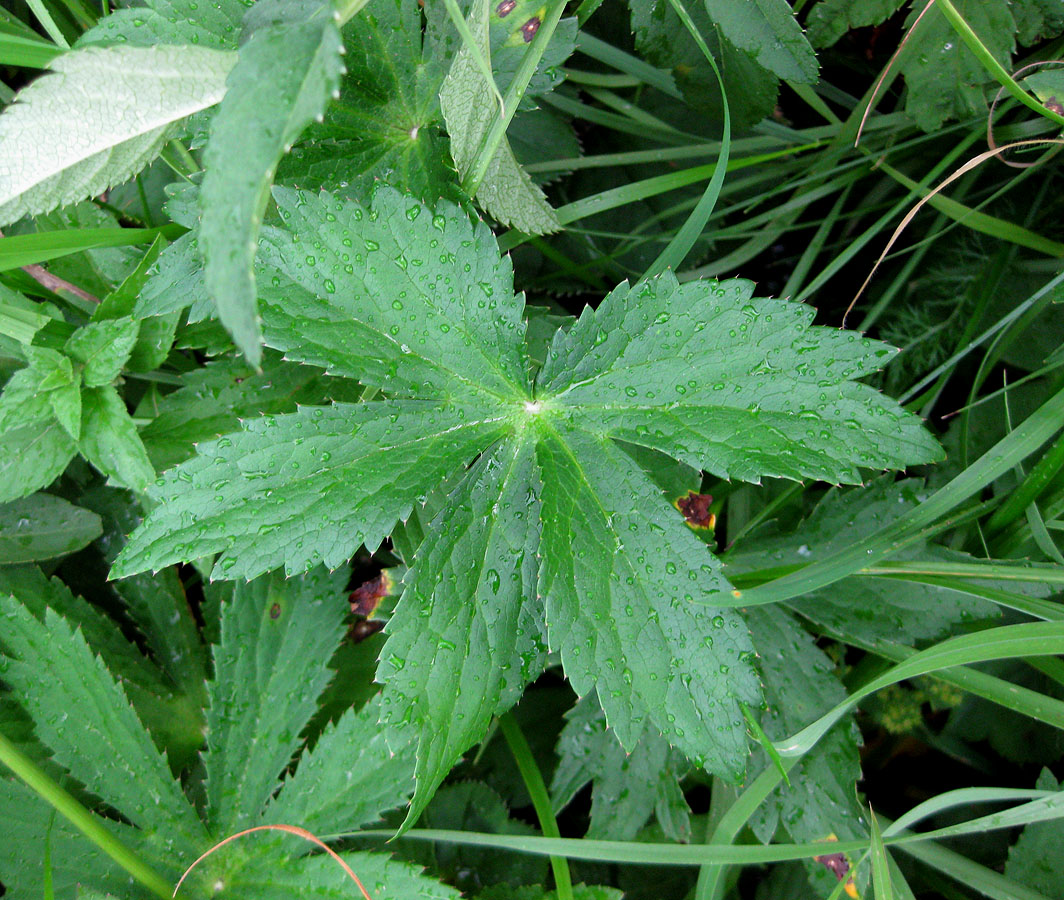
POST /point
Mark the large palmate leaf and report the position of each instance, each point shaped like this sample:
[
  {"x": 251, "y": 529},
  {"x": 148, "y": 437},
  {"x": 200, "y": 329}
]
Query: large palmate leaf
[
  {"x": 287, "y": 71},
  {"x": 101, "y": 117},
  {"x": 83, "y": 715},
  {"x": 551, "y": 528}
]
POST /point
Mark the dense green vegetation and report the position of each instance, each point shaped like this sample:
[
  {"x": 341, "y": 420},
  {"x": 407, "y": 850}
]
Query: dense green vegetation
[{"x": 399, "y": 439}]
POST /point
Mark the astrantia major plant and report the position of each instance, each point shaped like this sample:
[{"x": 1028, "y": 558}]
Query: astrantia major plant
[{"x": 553, "y": 539}]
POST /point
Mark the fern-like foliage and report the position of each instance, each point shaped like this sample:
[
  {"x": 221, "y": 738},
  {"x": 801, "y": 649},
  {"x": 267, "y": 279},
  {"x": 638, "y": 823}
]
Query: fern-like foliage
[{"x": 554, "y": 537}]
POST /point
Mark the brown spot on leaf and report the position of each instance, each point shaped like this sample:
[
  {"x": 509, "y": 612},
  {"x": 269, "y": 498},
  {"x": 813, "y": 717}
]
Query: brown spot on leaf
[
  {"x": 275, "y": 611},
  {"x": 505, "y": 8},
  {"x": 695, "y": 509},
  {"x": 839, "y": 865},
  {"x": 529, "y": 29}
]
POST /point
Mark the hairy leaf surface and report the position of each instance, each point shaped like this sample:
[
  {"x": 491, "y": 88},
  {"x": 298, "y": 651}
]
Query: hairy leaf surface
[{"x": 101, "y": 117}]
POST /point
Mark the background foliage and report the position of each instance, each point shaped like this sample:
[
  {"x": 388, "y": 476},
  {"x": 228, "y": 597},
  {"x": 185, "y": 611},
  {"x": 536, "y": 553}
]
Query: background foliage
[{"x": 400, "y": 437}]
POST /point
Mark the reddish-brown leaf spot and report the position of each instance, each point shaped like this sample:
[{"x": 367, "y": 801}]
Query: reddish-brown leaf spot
[
  {"x": 695, "y": 509},
  {"x": 275, "y": 611},
  {"x": 839, "y": 865},
  {"x": 505, "y": 8},
  {"x": 366, "y": 599},
  {"x": 529, "y": 29}
]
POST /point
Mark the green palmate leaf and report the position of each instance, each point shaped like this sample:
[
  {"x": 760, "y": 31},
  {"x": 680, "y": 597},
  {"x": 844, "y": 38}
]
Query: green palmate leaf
[
  {"x": 109, "y": 440},
  {"x": 829, "y": 20},
  {"x": 483, "y": 545},
  {"x": 767, "y": 30},
  {"x": 605, "y": 528},
  {"x": 217, "y": 396},
  {"x": 800, "y": 686},
  {"x": 353, "y": 775},
  {"x": 104, "y": 115},
  {"x": 42, "y": 527},
  {"x": 80, "y": 700},
  {"x": 174, "y": 720},
  {"x": 469, "y": 104},
  {"x": 944, "y": 78},
  {"x": 664, "y": 40},
  {"x": 320, "y": 878},
  {"x": 386, "y": 123},
  {"x": 1037, "y": 19},
  {"x": 866, "y": 609},
  {"x": 261, "y": 701},
  {"x": 102, "y": 349},
  {"x": 421, "y": 307},
  {"x": 627, "y": 788},
  {"x": 416, "y": 321},
  {"x": 1034, "y": 860},
  {"x": 287, "y": 71},
  {"x": 735, "y": 385},
  {"x": 306, "y": 488}
]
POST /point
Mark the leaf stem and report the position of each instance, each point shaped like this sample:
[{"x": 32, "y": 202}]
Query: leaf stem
[
  {"x": 78, "y": 816},
  {"x": 537, "y": 790},
  {"x": 501, "y": 121}
]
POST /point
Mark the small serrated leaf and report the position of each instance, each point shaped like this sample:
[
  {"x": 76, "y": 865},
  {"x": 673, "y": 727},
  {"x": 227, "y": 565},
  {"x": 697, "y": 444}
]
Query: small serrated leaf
[
  {"x": 769, "y": 32},
  {"x": 109, "y": 440},
  {"x": 102, "y": 348}
]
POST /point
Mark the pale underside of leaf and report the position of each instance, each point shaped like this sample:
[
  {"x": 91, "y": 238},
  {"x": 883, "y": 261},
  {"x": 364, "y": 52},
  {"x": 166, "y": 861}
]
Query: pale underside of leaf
[
  {"x": 628, "y": 586},
  {"x": 467, "y": 637},
  {"x": 306, "y": 488},
  {"x": 98, "y": 120}
]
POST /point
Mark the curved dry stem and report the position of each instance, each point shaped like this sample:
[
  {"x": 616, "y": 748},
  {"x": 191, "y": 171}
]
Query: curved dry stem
[
  {"x": 910, "y": 215},
  {"x": 990, "y": 142},
  {"x": 290, "y": 829}
]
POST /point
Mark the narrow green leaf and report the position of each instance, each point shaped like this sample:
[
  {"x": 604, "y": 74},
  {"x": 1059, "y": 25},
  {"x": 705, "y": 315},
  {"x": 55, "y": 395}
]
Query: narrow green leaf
[
  {"x": 469, "y": 107},
  {"x": 305, "y": 488},
  {"x": 43, "y": 527},
  {"x": 28, "y": 249},
  {"x": 83, "y": 715},
  {"x": 16, "y": 50},
  {"x": 482, "y": 548},
  {"x": 356, "y": 771},
  {"x": 768, "y": 31},
  {"x": 109, "y": 440},
  {"x": 260, "y": 702},
  {"x": 100, "y": 119},
  {"x": 629, "y": 604},
  {"x": 880, "y": 864},
  {"x": 759, "y": 392},
  {"x": 287, "y": 71}
]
